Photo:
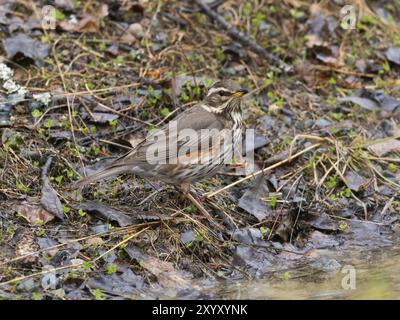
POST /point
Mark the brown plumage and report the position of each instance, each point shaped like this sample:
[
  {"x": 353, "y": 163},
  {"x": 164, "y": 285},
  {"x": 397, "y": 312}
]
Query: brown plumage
[{"x": 220, "y": 110}]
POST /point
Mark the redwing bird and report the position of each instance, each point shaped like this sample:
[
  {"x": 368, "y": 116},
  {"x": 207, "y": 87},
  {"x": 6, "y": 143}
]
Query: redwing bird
[{"x": 189, "y": 148}]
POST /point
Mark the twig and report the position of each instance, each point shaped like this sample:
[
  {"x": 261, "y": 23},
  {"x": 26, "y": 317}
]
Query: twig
[
  {"x": 212, "y": 194},
  {"x": 46, "y": 167},
  {"x": 201, "y": 208},
  {"x": 387, "y": 206},
  {"x": 235, "y": 34}
]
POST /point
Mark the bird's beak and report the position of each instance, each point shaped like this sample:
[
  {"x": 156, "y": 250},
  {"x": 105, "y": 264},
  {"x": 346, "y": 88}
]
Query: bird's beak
[{"x": 240, "y": 93}]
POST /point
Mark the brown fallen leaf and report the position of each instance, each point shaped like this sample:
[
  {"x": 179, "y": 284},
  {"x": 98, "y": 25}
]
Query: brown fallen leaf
[
  {"x": 167, "y": 275},
  {"x": 34, "y": 213},
  {"x": 133, "y": 33},
  {"x": 384, "y": 147},
  {"x": 26, "y": 246},
  {"x": 88, "y": 23}
]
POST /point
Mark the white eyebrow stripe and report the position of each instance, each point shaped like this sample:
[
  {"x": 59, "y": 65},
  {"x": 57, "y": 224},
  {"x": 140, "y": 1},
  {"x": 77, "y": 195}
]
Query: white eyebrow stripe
[{"x": 213, "y": 90}]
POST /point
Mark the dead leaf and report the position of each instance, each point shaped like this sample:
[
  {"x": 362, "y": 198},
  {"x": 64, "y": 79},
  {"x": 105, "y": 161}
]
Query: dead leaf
[
  {"x": 34, "y": 214},
  {"x": 368, "y": 66},
  {"x": 373, "y": 100},
  {"x": 133, "y": 33},
  {"x": 101, "y": 117},
  {"x": 88, "y": 23},
  {"x": 167, "y": 275},
  {"x": 362, "y": 102},
  {"x": 121, "y": 218},
  {"x": 384, "y": 147},
  {"x": 50, "y": 200},
  {"x": 393, "y": 55},
  {"x": 354, "y": 181},
  {"x": 24, "y": 46},
  {"x": 252, "y": 202},
  {"x": 25, "y": 246}
]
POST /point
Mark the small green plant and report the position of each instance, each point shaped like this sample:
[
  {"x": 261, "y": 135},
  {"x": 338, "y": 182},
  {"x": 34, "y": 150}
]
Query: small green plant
[
  {"x": 331, "y": 182},
  {"x": 98, "y": 294},
  {"x": 297, "y": 14},
  {"x": 272, "y": 202},
  {"x": 59, "y": 15},
  {"x": 40, "y": 232},
  {"x": 36, "y": 113},
  {"x": 247, "y": 8},
  {"x": 66, "y": 209},
  {"x": 59, "y": 179},
  {"x": 219, "y": 55},
  {"x": 200, "y": 236},
  {"x": 35, "y": 296},
  {"x": 264, "y": 231},
  {"x": 392, "y": 168},
  {"x": 87, "y": 266},
  {"x": 81, "y": 213},
  {"x": 269, "y": 80},
  {"x": 257, "y": 20},
  {"x": 113, "y": 123},
  {"x": 21, "y": 187},
  {"x": 164, "y": 112},
  {"x": 285, "y": 276},
  {"x": 343, "y": 226},
  {"x": 118, "y": 61},
  {"x": 110, "y": 269}
]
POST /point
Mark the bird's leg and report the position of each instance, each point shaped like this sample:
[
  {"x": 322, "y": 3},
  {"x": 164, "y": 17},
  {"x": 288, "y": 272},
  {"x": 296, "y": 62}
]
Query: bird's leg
[{"x": 185, "y": 188}]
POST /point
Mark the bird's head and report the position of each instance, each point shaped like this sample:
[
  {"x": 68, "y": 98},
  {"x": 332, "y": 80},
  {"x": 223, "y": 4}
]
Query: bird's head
[{"x": 224, "y": 96}]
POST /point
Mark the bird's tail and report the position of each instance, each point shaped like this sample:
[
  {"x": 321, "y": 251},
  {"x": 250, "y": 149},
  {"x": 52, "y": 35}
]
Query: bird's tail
[{"x": 105, "y": 173}]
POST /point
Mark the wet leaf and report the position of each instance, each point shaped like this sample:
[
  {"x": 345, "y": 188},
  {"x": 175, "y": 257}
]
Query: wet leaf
[
  {"x": 24, "y": 46},
  {"x": 248, "y": 236},
  {"x": 319, "y": 240},
  {"x": 257, "y": 261},
  {"x": 362, "y": 102},
  {"x": 101, "y": 117},
  {"x": 354, "y": 181},
  {"x": 373, "y": 100},
  {"x": 168, "y": 277},
  {"x": 323, "y": 222},
  {"x": 252, "y": 202},
  {"x": 393, "y": 55},
  {"x": 50, "y": 200},
  {"x": 368, "y": 66},
  {"x": 121, "y": 218},
  {"x": 106, "y": 212},
  {"x": 125, "y": 283},
  {"x": 188, "y": 237}
]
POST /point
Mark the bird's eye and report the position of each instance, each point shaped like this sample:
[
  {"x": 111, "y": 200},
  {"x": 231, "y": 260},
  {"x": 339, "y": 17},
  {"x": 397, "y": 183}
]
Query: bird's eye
[{"x": 224, "y": 93}]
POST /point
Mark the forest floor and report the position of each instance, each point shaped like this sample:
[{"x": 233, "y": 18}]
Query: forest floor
[{"x": 325, "y": 105}]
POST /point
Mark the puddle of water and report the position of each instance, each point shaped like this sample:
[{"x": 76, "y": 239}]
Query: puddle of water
[{"x": 379, "y": 279}]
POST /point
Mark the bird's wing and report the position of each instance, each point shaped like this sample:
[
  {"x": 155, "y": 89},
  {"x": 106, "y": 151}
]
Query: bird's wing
[{"x": 196, "y": 118}]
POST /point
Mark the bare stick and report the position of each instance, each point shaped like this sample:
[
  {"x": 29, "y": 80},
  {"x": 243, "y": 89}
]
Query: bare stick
[
  {"x": 199, "y": 206},
  {"x": 242, "y": 38}
]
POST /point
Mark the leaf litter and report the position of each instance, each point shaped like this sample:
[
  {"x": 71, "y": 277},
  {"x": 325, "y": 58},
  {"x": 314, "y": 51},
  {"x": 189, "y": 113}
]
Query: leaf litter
[{"x": 128, "y": 238}]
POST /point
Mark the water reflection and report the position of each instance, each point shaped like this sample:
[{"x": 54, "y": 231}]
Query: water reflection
[{"x": 377, "y": 277}]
